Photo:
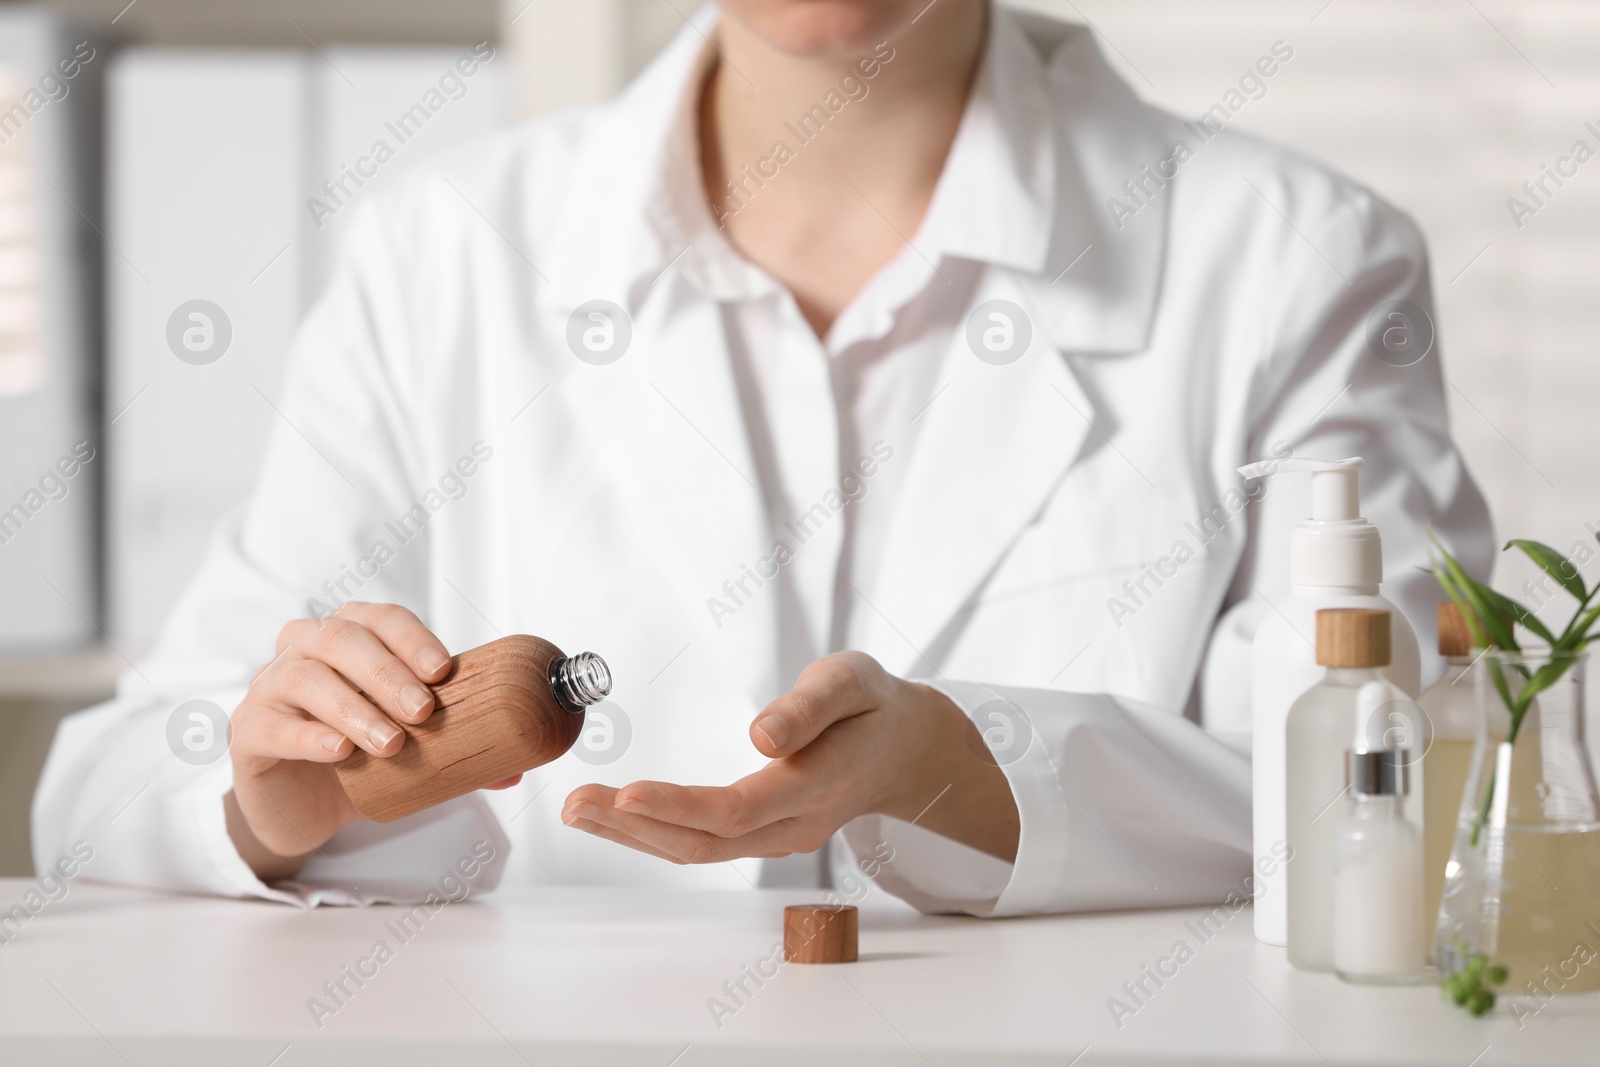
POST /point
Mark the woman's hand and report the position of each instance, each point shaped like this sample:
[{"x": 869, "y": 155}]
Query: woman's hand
[
  {"x": 340, "y": 681},
  {"x": 850, "y": 739}
]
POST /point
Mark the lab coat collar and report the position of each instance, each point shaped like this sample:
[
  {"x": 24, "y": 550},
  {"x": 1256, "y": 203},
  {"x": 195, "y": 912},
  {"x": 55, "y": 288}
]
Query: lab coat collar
[
  {"x": 1098, "y": 290},
  {"x": 1049, "y": 138},
  {"x": 995, "y": 201},
  {"x": 610, "y": 243}
]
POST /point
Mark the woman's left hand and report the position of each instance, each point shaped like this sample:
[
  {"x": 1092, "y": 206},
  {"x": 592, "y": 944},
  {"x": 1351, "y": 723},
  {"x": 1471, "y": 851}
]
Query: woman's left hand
[{"x": 849, "y": 740}]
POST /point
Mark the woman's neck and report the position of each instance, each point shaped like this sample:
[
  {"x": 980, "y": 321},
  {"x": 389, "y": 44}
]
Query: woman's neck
[{"x": 784, "y": 138}]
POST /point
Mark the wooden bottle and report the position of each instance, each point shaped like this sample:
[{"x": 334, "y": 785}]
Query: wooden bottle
[{"x": 505, "y": 707}]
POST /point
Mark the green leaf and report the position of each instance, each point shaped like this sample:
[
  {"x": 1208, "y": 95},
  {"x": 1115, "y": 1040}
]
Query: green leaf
[
  {"x": 1554, "y": 564},
  {"x": 1542, "y": 679},
  {"x": 1479, "y": 637},
  {"x": 1510, "y": 609},
  {"x": 1577, "y": 635},
  {"x": 1500, "y": 634}
]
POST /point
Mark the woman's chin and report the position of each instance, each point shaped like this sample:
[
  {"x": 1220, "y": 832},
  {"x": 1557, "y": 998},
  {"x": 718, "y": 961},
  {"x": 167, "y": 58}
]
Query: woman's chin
[{"x": 817, "y": 29}]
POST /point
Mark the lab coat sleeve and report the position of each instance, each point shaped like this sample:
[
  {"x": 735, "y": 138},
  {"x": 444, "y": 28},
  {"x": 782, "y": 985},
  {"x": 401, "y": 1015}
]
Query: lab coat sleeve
[
  {"x": 340, "y": 462},
  {"x": 1122, "y": 805},
  {"x": 1126, "y": 804}
]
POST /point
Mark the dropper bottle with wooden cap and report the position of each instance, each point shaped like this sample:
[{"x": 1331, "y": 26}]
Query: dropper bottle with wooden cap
[{"x": 1353, "y": 644}]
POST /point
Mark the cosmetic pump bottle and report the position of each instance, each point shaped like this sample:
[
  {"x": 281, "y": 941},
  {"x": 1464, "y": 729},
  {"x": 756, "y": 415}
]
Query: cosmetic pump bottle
[
  {"x": 1380, "y": 933},
  {"x": 1335, "y": 561},
  {"x": 1450, "y": 706},
  {"x": 1350, "y": 700}
]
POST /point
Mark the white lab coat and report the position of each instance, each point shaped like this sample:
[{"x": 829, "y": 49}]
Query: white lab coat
[{"x": 1225, "y": 318}]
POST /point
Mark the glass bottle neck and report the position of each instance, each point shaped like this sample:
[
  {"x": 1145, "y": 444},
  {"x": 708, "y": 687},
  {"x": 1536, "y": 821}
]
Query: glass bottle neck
[
  {"x": 1354, "y": 677},
  {"x": 1379, "y": 806}
]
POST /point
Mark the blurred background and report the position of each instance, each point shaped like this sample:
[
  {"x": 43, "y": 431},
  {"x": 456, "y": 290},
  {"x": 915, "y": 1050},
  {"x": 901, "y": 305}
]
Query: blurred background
[{"x": 162, "y": 191}]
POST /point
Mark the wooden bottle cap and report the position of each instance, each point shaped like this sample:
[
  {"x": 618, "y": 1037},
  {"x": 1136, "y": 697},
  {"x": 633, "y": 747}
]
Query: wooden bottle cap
[
  {"x": 1455, "y": 638},
  {"x": 820, "y": 933},
  {"x": 1353, "y": 637}
]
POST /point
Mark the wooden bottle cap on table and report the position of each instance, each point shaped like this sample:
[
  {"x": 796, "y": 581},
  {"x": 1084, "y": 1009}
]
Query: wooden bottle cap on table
[
  {"x": 820, "y": 933},
  {"x": 1455, "y": 638},
  {"x": 1353, "y": 637}
]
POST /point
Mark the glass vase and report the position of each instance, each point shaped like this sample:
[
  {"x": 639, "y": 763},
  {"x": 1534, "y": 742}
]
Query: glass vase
[{"x": 1523, "y": 882}]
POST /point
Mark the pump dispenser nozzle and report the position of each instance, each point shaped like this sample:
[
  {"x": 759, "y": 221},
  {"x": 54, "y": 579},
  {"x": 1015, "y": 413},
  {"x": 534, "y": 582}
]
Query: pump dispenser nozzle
[
  {"x": 1335, "y": 546},
  {"x": 1335, "y": 484}
]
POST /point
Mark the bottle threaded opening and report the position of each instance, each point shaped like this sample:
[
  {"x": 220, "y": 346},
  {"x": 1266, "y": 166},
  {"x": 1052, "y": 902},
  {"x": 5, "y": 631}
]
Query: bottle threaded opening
[{"x": 581, "y": 680}]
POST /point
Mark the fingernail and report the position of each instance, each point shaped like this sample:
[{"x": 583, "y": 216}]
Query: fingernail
[
  {"x": 581, "y": 811},
  {"x": 432, "y": 660},
  {"x": 382, "y": 735},
  {"x": 333, "y": 742},
  {"x": 413, "y": 698},
  {"x": 634, "y": 805},
  {"x": 774, "y": 729}
]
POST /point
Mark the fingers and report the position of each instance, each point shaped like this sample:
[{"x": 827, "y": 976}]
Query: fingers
[
  {"x": 833, "y": 688},
  {"x": 404, "y": 634},
  {"x": 728, "y": 811},
  {"x": 374, "y": 646},
  {"x": 317, "y": 689},
  {"x": 586, "y": 810},
  {"x": 273, "y": 734},
  {"x": 507, "y": 784},
  {"x": 583, "y": 812},
  {"x": 621, "y": 838}
]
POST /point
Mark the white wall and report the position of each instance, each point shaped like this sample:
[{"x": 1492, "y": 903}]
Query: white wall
[{"x": 213, "y": 158}]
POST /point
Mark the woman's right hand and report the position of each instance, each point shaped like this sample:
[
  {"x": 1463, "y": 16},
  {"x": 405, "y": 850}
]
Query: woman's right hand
[{"x": 342, "y": 680}]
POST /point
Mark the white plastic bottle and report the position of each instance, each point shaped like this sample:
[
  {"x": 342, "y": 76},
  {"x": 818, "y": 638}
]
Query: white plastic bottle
[{"x": 1335, "y": 561}]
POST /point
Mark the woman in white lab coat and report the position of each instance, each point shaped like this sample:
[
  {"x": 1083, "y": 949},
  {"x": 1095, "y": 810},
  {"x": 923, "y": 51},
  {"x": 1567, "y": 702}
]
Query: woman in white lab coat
[{"x": 867, "y": 385}]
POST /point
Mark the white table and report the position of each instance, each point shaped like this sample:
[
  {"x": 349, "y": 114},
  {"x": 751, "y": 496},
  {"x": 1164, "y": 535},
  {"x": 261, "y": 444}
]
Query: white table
[{"x": 566, "y": 976}]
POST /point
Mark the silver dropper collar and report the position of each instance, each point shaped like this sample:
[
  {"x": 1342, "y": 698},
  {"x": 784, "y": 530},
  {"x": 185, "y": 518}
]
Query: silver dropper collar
[
  {"x": 578, "y": 681},
  {"x": 1381, "y": 773}
]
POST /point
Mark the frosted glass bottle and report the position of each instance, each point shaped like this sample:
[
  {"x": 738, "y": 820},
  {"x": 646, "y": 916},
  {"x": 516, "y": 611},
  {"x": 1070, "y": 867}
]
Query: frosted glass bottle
[
  {"x": 1450, "y": 706},
  {"x": 1347, "y": 705},
  {"x": 1320, "y": 727}
]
